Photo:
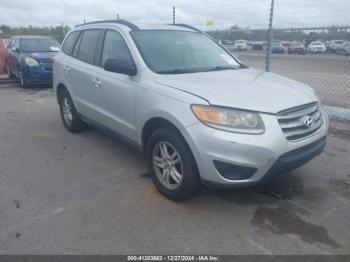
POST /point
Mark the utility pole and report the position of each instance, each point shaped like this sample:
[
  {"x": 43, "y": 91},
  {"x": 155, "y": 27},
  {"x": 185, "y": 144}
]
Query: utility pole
[
  {"x": 174, "y": 13},
  {"x": 270, "y": 37},
  {"x": 117, "y": 16},
  {"x": 63, "y": 30}
]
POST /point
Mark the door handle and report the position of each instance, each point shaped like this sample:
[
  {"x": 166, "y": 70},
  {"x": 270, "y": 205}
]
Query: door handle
[
  {"x": 67, "y": 69},
  {"x": 96, "y": 81}
]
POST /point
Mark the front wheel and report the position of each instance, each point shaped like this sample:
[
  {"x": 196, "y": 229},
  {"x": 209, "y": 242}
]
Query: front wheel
[
  {"x": 171, "y": 165},
  {"x": 23, "y": 80}
]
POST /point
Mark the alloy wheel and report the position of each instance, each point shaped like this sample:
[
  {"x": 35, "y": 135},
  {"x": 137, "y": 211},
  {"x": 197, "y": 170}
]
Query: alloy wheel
[
  {"x": 67, "y": 110},
  {"x": 167, "y": 165}
]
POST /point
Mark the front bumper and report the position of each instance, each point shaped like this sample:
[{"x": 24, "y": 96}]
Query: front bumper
[
  {"x": 269, "y": 153},
  {"x": 38, "y": 75}
]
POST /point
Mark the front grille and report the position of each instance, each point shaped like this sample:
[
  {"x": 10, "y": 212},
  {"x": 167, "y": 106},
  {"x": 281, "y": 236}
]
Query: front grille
[
  {"x": 292, "y": 121},
  {"x": 46, "y": 66}
]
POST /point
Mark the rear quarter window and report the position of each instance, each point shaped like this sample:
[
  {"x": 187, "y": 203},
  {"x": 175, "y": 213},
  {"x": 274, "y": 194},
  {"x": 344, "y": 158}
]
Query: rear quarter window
[{"x": 69, "y": 43}]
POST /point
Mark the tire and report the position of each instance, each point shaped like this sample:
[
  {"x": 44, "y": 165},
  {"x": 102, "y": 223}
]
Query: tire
[
  {"x": 23, "y": 80},
  {"x": 189, "y": 184},
  {"x": 9, "y": 74},
  {"x": 70, "y": 117}
]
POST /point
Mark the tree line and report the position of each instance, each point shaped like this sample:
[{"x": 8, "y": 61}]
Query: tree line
[{"x": 55, "y": 31}]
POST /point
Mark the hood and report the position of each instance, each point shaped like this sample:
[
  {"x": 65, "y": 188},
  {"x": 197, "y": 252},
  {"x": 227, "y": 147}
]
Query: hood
[
  {"x": 42, "y": 57},
  {"x": 243, "y": 88}
]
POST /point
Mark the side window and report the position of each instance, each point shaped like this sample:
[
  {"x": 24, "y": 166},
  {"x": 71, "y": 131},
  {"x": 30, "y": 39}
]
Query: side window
[
  {"x": 76, "y": 47},
  {"x": 115, "y": 47},
  {"x": 89, "y": 41},
  {"x": 69, "y": 43}
]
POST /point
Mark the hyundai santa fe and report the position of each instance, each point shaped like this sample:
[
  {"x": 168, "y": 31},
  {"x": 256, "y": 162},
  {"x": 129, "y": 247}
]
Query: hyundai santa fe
[{"x": 199, "y": 114}]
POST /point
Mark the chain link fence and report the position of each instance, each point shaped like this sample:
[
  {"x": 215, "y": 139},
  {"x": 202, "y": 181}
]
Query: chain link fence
[{"x": 317, "y": 56}]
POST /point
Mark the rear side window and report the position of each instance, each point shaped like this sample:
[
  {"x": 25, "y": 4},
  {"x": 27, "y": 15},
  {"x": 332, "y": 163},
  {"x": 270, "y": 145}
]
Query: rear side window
[
  {"x": 89, "y": 41},
  {"x": 114, "y": 48},
  {"x": 76, "y": 47},
  {"x": 69, "y": 43}
]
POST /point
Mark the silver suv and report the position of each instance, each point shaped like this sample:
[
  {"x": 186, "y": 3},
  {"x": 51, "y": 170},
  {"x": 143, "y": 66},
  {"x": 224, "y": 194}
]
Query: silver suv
[{"x": 197, "y": 112}]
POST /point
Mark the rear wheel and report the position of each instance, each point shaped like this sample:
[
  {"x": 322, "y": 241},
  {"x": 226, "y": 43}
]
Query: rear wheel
[
  {"x": 171, "y": 165},
  {"x": 70, "y": 117}
]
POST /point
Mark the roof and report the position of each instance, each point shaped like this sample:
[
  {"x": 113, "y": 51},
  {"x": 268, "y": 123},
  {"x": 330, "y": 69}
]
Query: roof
[
  {"x": 140, "y": 26},
  {"x": 163, "y": 27}
]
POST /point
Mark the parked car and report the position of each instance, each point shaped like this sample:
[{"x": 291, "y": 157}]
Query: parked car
[
  {"x": 344, "y": 49},
  {"x": 277, "y": 48},
  {"x": 5, "y": 41},
  {"x": 199, "y": 115},
  {"x": 285, "y": 43},
  {"x": 240, "y": 45},
  {"x": 258, "y": 45},
  {"x": 296, "y": 48},
  {"x": 334, "y": 45},
  {"x": 2, "y": 56},
  {"x": 30, "y": 58},
  {"x": 227, "y": 42},
  {"x": 317, "y": 47}
]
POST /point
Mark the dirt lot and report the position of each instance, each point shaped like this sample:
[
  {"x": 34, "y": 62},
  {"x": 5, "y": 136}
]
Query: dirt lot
[
  {"x": 90, "y": 193},
  {"x": 327, "y": 73}
]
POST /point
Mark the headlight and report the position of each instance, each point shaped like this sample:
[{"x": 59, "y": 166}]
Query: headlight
[
  {"x": 232, "y": 120},
  {"x": 31, "y": 62}
]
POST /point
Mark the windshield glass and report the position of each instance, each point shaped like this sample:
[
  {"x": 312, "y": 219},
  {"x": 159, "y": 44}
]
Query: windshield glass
[
  {"x": 39, "y": 45},
  {"x": 176, "y": 52}
]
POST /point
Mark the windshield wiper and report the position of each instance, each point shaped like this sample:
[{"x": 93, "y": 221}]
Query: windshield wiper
[
  {"x": 219, "y": 68},
  {"x": 177, "y": 71}
]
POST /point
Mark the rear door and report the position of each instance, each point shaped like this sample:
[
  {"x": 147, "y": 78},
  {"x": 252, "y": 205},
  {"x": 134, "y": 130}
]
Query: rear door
[
  {"x": 64, "y": 62},
  {"x": 81, "y": 71}
]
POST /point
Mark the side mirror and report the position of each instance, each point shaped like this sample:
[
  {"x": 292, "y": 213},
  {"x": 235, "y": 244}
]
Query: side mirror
[
  {"x": 15, "y": 49},
  {"x": 120, "y": 66}
]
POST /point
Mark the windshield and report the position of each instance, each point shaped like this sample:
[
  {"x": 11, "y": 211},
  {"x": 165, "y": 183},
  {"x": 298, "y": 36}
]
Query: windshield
[
  {"x": 39, "y": 45},
  {"x": 176, "y": 52}
]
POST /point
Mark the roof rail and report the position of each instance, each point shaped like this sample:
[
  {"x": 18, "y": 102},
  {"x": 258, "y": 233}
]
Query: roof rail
[
  {"x": 188, "y": 26},
  {"x": 132, "y": 26}
]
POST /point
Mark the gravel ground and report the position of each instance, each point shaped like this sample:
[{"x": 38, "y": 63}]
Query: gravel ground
[{"x": 89, "y": 193}]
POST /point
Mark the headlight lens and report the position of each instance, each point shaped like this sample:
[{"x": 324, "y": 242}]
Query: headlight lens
[
  {"x": 31, "y": 62},
  {"x": 232, "y": 120}
]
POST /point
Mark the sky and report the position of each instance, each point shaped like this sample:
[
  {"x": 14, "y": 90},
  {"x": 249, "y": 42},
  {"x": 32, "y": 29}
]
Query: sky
[{"x": 226, "y": 13}]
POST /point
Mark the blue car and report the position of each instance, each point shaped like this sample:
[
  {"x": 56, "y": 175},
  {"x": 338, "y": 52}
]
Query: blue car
[{"x": 30, "y": 58}]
